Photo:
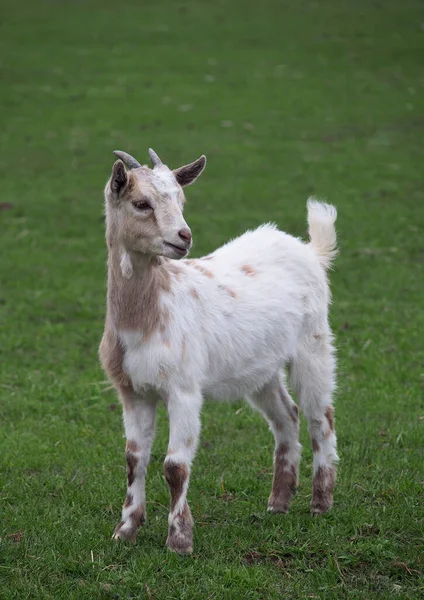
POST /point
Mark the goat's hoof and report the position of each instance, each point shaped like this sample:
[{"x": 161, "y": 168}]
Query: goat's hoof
[
  {"x": 125, "y": 530},
  {"x": 278, "y": 509},
  {"x": 320, "y": 508},
  {"x": 180, "y": 549},
  {"x": 179, "y": 542}
]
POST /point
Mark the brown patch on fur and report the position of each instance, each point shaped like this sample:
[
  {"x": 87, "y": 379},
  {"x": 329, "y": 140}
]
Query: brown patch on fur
[
  {"x": 175, "y": 475},
  {"x": 281, "y": 451},
  {"x": 135, "y": 519},
  {"x": 170, "y": 451},
  {"x": 167, "y": 343},
  {"x": 189, "y": 442},
  {"x": 134, "y": 303},
  {"x": 194, "y": 293},
  {"x": 175, "y": 270},
  {"x": 315, "y": 445},
  {"x": 132, "y": 446},
  {"x": 111, "y": 355},
  {"x": 228, "y": 290},
  {"x": 118, "y": 527},
  {"x": 132, "y": 461},
  {"x": 290, "y": 406},
  {"x": 137, "y": 516},
  {"x": 128, "y": 500},
  {"x": 248, "y": 270},
  {"x": 284, "y": 481},
  {"x": 322, "y": 489},
  {"x": 329, "y": 414},
  {"x": 180, "y": 532},
  {"x": 203, "y": 270},
  {"x": 163, "y": 374}
]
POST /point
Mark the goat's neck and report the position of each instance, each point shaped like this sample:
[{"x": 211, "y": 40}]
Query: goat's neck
[{"x": 135, "y": 283}]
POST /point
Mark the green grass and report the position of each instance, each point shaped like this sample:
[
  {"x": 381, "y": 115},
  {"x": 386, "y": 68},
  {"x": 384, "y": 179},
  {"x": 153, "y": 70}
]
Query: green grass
[{"x": 286, "y": 99}]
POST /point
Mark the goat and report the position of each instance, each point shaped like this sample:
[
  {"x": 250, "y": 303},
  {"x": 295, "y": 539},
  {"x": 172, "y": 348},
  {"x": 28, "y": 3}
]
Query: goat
[{"x": 222, "y": 326}]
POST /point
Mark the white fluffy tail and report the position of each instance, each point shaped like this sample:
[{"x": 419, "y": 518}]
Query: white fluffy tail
[{"x": 321, "y": 219}]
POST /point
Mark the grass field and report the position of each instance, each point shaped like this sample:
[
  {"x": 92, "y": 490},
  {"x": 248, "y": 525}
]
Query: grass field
[{"x": 287, "y": 99}]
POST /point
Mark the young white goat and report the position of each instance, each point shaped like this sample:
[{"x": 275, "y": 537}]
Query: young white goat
[{"x": 225, "y": 325}]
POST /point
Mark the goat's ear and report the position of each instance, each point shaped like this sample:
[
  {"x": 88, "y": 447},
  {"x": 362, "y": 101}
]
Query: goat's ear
[
  {"x": 119, "y": 177},
  {"x": 189, "y": 173}
]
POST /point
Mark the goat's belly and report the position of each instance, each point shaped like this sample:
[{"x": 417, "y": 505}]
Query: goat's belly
[
  {"x": 235, "y": 388},
  {"x": 239, "y": 371}
]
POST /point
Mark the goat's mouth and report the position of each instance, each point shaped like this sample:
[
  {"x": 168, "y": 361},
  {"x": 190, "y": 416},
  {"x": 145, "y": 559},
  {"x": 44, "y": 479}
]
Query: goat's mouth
[{"x": 179, "y": 250}]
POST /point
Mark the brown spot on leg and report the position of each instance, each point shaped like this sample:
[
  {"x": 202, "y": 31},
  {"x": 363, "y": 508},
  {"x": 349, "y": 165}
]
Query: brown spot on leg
[
  {"x": 127, "y": 530},
  {"x": 132, "y": 461},
  {"x": 322, "y": 489},
  {"x": 132, "y": 446},
  {"x": 284, "y": 482},
  {"x": 180, "y": 532},
  {"x": 290, "y": 406},
  {"x": 329, "y": 414},
  {"x": 138, "y": 516},
  {"x": 248, "y": 270},
  {"x": 128, "y": 500},
  {"x": 194, "y": 293},
  {"x": 315, "y": 445},
  {"x": 176, "y": 476}
]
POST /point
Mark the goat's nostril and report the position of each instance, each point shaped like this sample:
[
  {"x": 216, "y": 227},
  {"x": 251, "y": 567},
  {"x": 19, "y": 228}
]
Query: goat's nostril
[{"x": 185, "y": 234}]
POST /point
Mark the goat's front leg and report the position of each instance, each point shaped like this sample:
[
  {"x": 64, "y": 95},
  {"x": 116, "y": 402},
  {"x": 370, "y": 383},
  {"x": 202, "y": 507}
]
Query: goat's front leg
[
  {"x": 184, "y": 429},
  {"x": 139, "y": 421}
]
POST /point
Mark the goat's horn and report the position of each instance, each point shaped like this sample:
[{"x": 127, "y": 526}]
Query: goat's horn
[
  {"x": 154, "y": 158},
  {"x": 127, "y": 159}
]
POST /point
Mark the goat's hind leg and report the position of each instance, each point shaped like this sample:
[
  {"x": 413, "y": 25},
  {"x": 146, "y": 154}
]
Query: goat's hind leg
[
  {"x": 282, "y": 414},
  {"x": 313, "y": 377}
]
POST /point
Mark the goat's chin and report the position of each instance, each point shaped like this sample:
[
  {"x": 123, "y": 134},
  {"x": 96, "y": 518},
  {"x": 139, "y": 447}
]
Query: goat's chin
[
  {"x": 174, "y": 252},
  {"x": 174, "y": 255}
]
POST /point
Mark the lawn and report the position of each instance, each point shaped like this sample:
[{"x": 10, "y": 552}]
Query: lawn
[{"x": 287, "y": 99}]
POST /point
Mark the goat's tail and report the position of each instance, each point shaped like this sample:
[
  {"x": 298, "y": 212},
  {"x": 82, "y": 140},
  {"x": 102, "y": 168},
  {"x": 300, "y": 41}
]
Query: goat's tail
[{"x": 321, "y": 219}]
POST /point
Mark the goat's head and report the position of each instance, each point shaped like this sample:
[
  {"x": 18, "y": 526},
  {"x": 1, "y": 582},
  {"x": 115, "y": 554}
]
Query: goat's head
[{"x": 145, "y": 206}]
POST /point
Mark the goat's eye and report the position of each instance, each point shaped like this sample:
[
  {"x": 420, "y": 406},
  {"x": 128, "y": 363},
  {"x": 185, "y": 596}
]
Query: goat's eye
[{"x": 142, "y": 205}]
